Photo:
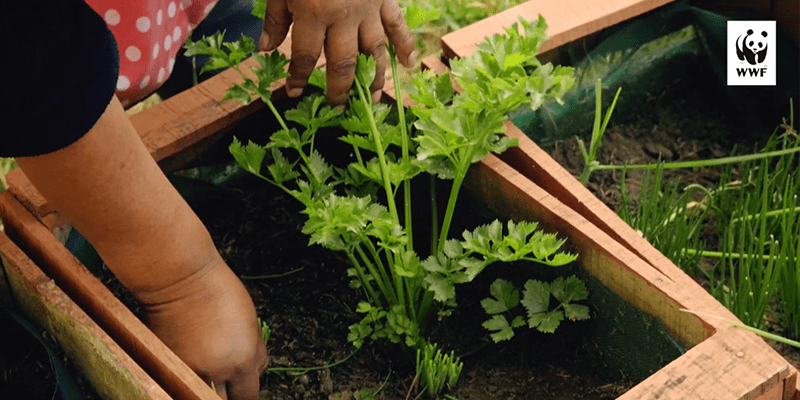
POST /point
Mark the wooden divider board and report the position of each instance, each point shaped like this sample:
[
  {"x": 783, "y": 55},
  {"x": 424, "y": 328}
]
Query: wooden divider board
[
  {"x": 567, "y": 20},
  {"x": 111, "y": 372}
]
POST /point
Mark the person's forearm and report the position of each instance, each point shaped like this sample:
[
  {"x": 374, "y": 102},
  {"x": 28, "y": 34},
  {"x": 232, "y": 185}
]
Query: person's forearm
[{"x": 110, "y": 188}]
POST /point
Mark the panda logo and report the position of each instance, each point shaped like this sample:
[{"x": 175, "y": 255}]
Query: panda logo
[{"x": 752, "y": 48}]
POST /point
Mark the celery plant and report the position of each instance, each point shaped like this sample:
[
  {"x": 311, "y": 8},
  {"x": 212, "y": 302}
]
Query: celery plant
[{"x": 360, "y": 210}]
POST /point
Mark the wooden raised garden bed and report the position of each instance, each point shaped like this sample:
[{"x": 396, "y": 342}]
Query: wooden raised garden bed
[{"x": 721, "y": 363}]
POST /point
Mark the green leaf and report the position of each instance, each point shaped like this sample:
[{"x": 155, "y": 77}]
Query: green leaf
[
  {"x": 207, "y": 46},
  {"x": 248, "y": 157},
  {"x": 286, "y": 139},
  {"x": 363, "y": 307},
  {"x": 499, "y": 324},
  {"x": 365, "y": 71},
  {"x": 536, "y": 297},
  {"x": 281, "y": 169},
  {"x": 576, "y": 312},
  {"x": 513, "y": 60},
  {"x": 416, "y": 16},
  {"x": 318, "y": 79},
  {"x": 259, "y": 9},
  {"x": 569, "y": 289},
  {"x": 546, "y": 322},
  {"x": 442, "y": 288},
  {"x": 271, "y": 68},
  {"x": 240, "y": 49},
  {"x": 238, "y": 92},
  {"x": 505, "y": 297}
]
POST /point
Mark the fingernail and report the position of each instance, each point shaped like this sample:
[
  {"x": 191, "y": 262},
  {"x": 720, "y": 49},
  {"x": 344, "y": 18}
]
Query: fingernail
[
  {"x": 376, "y": 96},
  {"x": 294, "y": 92},
  {"x": 263, "y": 41}
]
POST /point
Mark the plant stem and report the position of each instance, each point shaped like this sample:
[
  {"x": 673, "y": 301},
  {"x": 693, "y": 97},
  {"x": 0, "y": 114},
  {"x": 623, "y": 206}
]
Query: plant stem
[
  {"x": 254, "y": 277},
  {"x": 380, "y": 278},
  {"x": 434, "y": 213},
  {"x": 387, "y": 183},
  {"x": 700, "y": 163},
  {"x": 362, "y": 276},
  {"x": 398, "y": 94},
  {"x": 757, "y": 331},
  {"x": 772, "y": 213}
]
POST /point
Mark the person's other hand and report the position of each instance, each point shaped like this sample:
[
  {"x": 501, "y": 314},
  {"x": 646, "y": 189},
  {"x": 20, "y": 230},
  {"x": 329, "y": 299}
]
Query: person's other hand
[
  {"x": 209, "y": 321},
  {"x": 342, "y": 28}
]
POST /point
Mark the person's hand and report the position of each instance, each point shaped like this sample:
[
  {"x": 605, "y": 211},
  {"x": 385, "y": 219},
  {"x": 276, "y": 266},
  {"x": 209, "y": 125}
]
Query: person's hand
[
  {"x": 209, "y": 321},
  {"x": 343, "y": 28}
]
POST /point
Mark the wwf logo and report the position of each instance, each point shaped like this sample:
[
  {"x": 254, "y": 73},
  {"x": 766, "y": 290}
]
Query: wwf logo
[{"x": 751, "y": 47}]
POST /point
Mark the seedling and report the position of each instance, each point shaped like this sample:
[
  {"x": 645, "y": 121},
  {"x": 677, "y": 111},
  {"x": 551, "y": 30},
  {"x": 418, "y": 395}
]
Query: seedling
[
  {"x": 436, "y": 369},
  {"x": 598, "y": 129},
  {"x": 265, "y": 331}
]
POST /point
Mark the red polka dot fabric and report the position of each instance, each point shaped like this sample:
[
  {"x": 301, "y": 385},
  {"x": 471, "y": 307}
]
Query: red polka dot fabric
[{"x": 149, "y": 34}]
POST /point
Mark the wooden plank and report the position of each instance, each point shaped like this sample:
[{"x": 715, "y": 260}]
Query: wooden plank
[
  {"x": 567, "y": 21},
  {"x": 100, "y": 360},
  {"x": 98, "y": 302},
  {"x": 731, "y": 366}
]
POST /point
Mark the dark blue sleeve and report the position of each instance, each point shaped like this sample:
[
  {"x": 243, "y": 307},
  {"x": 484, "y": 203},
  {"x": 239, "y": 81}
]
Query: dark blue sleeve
[{"x": 59, "y": 67}]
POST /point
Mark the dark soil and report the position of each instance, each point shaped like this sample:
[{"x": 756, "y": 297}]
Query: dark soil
[{"x": 309, "y": 306}]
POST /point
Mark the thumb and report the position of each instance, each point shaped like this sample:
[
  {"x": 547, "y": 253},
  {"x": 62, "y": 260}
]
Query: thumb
[{"x": 276, "y": 25}]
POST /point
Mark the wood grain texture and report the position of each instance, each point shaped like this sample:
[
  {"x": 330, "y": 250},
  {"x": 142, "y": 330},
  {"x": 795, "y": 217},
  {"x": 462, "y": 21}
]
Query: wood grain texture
[
  {"x": 100, "y": 360},
  {"x": 100, "y": 304},
  {"x": 731, "y": 365},
  {"x": 567, "y": 20}
]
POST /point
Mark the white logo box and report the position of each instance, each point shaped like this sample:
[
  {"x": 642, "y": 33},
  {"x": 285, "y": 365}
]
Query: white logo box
[{"x": 751, "y": 53}]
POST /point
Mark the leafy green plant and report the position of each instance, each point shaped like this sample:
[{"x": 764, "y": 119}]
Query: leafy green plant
[
  {"x": 536, "y": 299},
  {"x": 364, "y": 208}
]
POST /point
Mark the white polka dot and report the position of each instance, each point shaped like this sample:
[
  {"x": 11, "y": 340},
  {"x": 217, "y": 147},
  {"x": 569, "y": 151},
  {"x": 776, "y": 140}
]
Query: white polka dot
[
  {"x": 123, "y": 83},
  {"x": 161, "y": 75},
  {"x": 170, "y": 64},
  {"x": 167, "y": 42},
  {"x": 143, "y": 24},
  {"x": 112, "y": 17},
  {"x": 133, "y": 53},
  {"x": 144, "y": 82},
  {"x": 155, "y": 51},
  {"x": 159, "y": 17},
  {"x": 210, "y": 7},
  {"x": 176, "y": 34},
  {"x": 171, "y": 10},
  {"x": 185, "y": 4}
]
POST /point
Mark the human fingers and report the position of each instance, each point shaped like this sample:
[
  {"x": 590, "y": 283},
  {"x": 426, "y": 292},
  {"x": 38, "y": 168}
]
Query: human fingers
[
  {"x": 398, "y": 33},
  {"x": 277, "y": 20},
  {"x": 341, "y": 53},
  {"x": 373, "y": 42},
  {"x": 306, "y": 49}
]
